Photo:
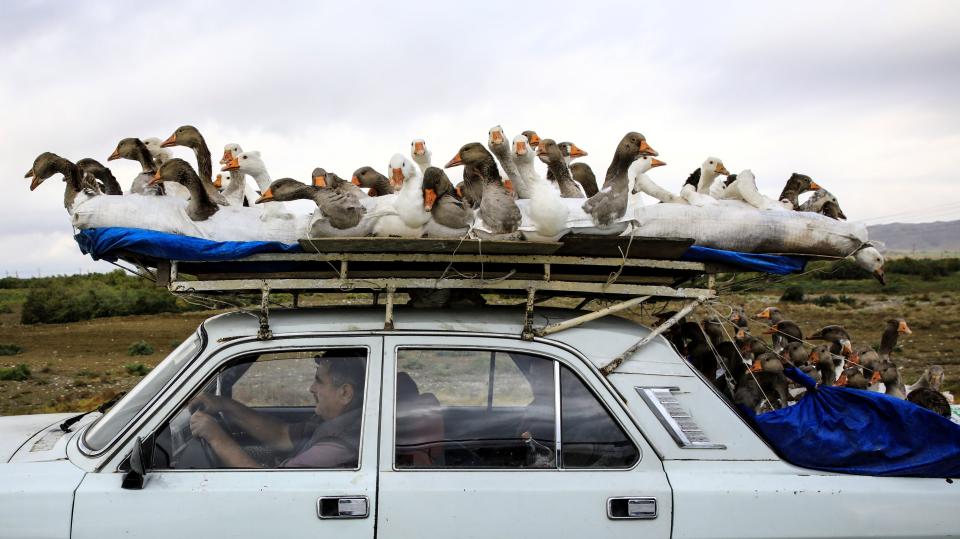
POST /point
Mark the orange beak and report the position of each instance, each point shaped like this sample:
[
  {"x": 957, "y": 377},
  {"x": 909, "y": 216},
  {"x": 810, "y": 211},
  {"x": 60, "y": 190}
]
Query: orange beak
[
  {"x": 496, "y": 137},
  {"x": 842, "y": 381},
  {"x": 265, "y": 197},
  {"x": 172, "y": 141},
  {"x": 534, "y": 140},
  {"x": 854, "y": 359},
  {"x": 114, "y": 155},
  {"x": 156, "y": 179},
  {"x": 508, "y": 185},
  {"x": 355, "y": 181},
  {"x": 455, "y": 162},
  {"x": 770, "y": 330},
  {"x": 645, "y": 149},
  {"x": 429, "y": 197},
  {"x": 419, "y": 148},
  {"x": 658, "y": 163},
  {"x": 234, "y": 164},
  {"x": 227, "y": 156},
  {"x": 741, "y": 334},
  {"x": 459, "y": 192},
  {"x": 36, "y": 181},
  {"x": 903, "y": 329},
  {"x": 320, "y": 181},
  {"x": 763, "y": 314},
  {"x": 756, "y": 366},
  {"x": 847, "y": 348},
  {"x": 814, "y": 186},
  {"x": 814, "y": 357},
  {"x": 396, "y": 177},
  {"x": 722, "y": 169},
  {"x": 875, "y": 378},
  {"x": 520, "y": 148},
  {"x": 576, "y": 152},
  {"x": 218, "y": 183}
]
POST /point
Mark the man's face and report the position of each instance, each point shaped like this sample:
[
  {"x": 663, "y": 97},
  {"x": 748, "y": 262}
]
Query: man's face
[{"x": 331, "y": 399}]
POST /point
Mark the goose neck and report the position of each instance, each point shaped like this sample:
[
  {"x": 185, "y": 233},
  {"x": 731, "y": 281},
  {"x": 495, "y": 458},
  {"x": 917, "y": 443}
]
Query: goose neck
[{"x": 204, "y": 161}]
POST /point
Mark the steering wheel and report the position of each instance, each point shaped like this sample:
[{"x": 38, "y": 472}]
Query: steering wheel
[{"x": 208, "y": 451}]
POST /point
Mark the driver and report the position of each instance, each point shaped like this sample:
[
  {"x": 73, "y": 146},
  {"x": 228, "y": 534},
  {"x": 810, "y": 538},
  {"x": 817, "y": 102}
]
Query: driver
[{"x": 329, "y": 440}]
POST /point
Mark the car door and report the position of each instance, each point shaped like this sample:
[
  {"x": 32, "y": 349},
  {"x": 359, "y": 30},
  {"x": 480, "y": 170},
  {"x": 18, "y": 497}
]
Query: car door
[
  {"x": 330, "y": 493},
  {"x": 486, "y": 437}
]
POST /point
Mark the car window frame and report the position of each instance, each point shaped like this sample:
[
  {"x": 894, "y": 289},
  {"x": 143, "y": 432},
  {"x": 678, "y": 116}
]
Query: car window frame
[{"x": 503, "y": 347}]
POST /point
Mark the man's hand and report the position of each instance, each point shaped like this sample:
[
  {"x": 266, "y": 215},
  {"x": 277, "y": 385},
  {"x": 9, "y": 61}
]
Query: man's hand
[{"x": 203, "y": 425}]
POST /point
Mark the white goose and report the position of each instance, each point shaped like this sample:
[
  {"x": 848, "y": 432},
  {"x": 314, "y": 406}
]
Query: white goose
[
  {"x": 744, "y": 188},
  {"x": 420, "y": 154},
  {"x": 160, "y": 155},
  {"x": 251, "y": 163},
  {"x": 697, "y": 189},
  {"x": 234, "y": 191},
  {"x": 546, "y": 208},
  {"x": 411, "y": 216},
  {"x": 497, "y": 143},
  {"x": 641, "y": 183},
  {"x": 250, "y": 194}
]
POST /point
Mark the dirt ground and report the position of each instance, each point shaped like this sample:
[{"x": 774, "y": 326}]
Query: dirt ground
[{"x": 76, "y": 366}]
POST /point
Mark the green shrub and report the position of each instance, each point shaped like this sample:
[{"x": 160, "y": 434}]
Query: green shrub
[
  {"x": 847, "y": 300},
  {"x": 138, "y": 369},
  {"x": 5, "y": 309},
  {"x": 793, "y": 294},
  {"x": 140, "y": 348},
  {"x": 17, "y": 373},
  {"x": 10, "y": 349},
  {"x": 842, "y": 270},
  {"x": 826, "y": 300}
]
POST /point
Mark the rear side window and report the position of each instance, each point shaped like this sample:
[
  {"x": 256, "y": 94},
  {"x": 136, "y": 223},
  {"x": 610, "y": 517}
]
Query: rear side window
[{"x": 499, "y": 409}]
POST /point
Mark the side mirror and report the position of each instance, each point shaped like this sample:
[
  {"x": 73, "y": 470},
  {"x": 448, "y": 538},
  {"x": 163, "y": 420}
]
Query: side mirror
[{"x": 139, "y": 457}]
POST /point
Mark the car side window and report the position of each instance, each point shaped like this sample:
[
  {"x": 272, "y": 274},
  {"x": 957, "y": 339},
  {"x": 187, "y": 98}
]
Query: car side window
[
  {"x": 474, "y": 409},
  {"x": 590, "y": 436},
  {"x": 497, "y": 409},
  {"x": 299, "y": 409}
]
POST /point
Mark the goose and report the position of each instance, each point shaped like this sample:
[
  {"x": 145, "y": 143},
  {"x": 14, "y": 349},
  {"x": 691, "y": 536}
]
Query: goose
[
  {"x": 420, "y": 154},
  {"x": 135, "y": 150},
  {"x": 583, "y": 175},
  {"x": 931, "y": 378},
  {"x": 190, "y": 137},
  {"x": 160, "y": 154},
  {"x": 250, "y": 163},
  {"x": 323, "y": 179},
  {"x": 249, "y": 194},
  {"x": 533, "y": 139},
  {"x": 108, "y": 183},
  {"x": 451, "y": 217},
  {"x": 641, "y": 183},
  {"x": 230, "y": 151},
  {"x": 696, "y": 190},
  {"x": 376, "y": 184},
  {"x": 498, "y": 212},
  {"x": 200, "y": 207},
  {"x": 610, "y": 203},
  {"x": 931, "y": 400},
  {"x": 824, "y": 203},
  {"x": 783, "y": 333},
  {"x": 78, "y": 185},
  {"x": 891, "y": 333},
  {"x": 827, "y": 362},
  {"x": 852, "y": 377},
  {"x": 549, "y": 152},
  {"x": 500, "y": 148},
  {"x": 870, "y": 259},
  {"x": 337, "y": 214},
  {"x": 768, "y": 368},
  {"x": 795, "y": 354},
  {"x": 796, "y": 185},
  {"x": 745, "y": 188},
  {"x": 889, "y": 374},
  {"x": 234, "y": 191},
  {"x": 546, "y": 208},
  {"x": 410, "y": 203}
]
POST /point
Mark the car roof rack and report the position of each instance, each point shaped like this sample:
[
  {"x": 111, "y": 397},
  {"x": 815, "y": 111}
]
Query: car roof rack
[{"x": 628, "y": 270}]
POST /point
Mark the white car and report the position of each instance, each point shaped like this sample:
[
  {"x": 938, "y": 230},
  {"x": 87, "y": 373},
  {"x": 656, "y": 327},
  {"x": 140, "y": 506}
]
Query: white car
[{"x": 448, "y": 425}]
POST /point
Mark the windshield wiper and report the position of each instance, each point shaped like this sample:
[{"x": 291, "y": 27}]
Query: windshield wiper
[{"x": 65, "y": 426}]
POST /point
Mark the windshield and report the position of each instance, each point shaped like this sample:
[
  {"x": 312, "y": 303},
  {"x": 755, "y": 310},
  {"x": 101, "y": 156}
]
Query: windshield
[{"x": 104, "y": 429}]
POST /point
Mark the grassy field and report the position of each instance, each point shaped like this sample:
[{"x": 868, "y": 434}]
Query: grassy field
[{"x": 74, "y": 366}]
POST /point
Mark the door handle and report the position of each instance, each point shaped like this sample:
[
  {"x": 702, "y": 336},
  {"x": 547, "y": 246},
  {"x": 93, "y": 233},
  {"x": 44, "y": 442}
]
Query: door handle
[
  {"x": 343, "y": 507},
  {"x": 631, "y": 508}
]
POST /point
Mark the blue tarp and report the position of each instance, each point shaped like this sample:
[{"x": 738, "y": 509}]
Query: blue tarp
[
  {"x": 105, "y": 243},
  {"x": 843, "y": 430}
]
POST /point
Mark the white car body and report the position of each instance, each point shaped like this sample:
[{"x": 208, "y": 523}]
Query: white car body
[{"x": 53, "y": 485}]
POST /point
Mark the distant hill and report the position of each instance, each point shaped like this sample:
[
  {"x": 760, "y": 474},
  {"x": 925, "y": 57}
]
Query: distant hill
[{"x": 918, "y": 237}]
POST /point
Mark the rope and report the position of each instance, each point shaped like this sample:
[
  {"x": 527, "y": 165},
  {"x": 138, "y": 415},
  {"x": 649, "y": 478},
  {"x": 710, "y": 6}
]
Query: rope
[{"x": 739, "y": 353}]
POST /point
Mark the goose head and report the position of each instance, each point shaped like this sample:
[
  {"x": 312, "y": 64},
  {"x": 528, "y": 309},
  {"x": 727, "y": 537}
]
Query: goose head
[
  {"x": 419, "y": 152},
  {"x": 45, "y": 165},
  {"x": 159, "y": 154},
  {"x": 802, "y": 183},
  {"x": 549, "y": 151},
  {"x": 637, "y": 172},
  {"x": 523, "y": 153},
  {"x": 470, "y": 154},
  {"x": 248, "y": 163},
  {"x": 133, "y": 149},
  {"x": 870, "y": 259},
  {"x": 318, "y": 177},
  {"x": 285, "y": 190},
  {"x": 532, "y": 138},
  {"x": 495, "y": 137},
  {"x": 223, "y": 177},
  {"x": 769, "y": 313},
  {"x": 369, "y": 178},
  {"x": 229, "y": 152},
  {"x": 401, "y": 170},
  {"x": 185, "y": 135},
  {"x": 570, "y": 151},
  {"x": 767, "y": 362},
  {"x": 633, "y": 145},
  {"x": 436, "y": 184},
  {"x": 178, "y": 171},
  {"x": 713, "y": 166}
]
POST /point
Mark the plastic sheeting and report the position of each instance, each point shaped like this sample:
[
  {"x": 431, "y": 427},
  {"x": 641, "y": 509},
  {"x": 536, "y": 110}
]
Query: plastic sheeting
[
  {"x": 107, "y": 243},
  {"x": 843, "y": 430}
]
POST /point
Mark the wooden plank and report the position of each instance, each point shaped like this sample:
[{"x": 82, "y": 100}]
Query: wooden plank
[
  {"x": 426, "y": 245},
  {"x": 614, "y": 246}
]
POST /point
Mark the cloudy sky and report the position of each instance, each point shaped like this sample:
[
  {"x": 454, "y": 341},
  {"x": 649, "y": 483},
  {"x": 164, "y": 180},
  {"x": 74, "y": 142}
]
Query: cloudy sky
[{"x": 862, "y": 96}]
